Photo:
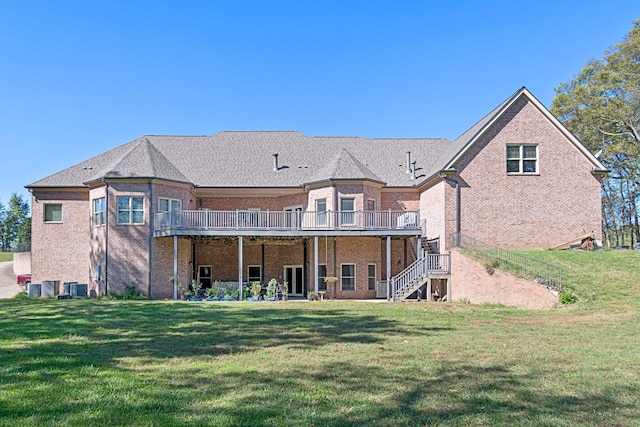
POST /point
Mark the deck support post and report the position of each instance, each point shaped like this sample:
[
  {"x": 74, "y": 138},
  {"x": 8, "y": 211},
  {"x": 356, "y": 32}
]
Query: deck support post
[
  {"x": 315, "y": 264},
  {"x": 239, "y": 268},
  {"x": 175, "y": 266},
  {"x": 429, "y": 290},
  {"x": 388, "y": 268}
]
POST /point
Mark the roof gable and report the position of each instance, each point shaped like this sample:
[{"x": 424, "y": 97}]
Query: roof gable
[{"x": 464, "y": 143}]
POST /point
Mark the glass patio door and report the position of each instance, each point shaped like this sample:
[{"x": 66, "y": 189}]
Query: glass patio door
[{"x": 293, "y": 277}]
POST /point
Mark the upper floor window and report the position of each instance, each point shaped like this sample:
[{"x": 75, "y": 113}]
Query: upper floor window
[
  {"x": 347, "y": 206},
  {"x": 98, "y": 211},
  {"x": 130, "y": 210},
  {"x": 321, "y": 212},
  {"x": 53, "y": 212},
  {"x": 522, "y": 159},
  {"x": 169, "y": 205}
]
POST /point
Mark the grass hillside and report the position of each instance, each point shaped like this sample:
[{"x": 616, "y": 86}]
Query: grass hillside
[{"x": 101, "y": 362}]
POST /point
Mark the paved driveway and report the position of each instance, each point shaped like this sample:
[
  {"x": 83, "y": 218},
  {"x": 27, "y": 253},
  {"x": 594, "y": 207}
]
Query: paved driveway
[{"x": 8, "y": 285}]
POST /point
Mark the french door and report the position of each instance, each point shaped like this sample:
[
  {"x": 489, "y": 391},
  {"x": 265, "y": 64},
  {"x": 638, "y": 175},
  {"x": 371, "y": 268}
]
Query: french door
[{"x": 293, "y": 277}]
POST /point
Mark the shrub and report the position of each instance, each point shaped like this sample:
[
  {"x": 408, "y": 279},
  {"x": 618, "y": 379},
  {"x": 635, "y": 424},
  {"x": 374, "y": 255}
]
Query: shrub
[
  {"x": 491, "y": 264},
  {"x": 131, "y": 291},
  {"x": 568, "y": 297}
]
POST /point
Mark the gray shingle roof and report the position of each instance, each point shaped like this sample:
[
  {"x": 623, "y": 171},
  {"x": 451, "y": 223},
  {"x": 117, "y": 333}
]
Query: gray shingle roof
[{"x": 245, "y": 159}]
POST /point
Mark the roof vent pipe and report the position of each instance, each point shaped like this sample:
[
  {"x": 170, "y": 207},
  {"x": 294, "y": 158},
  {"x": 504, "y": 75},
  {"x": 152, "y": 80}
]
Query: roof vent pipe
[
  {"x": 408, "y": 161},
  {"x": 275, "y": 162},
  {"x": 413, "y": 170}
]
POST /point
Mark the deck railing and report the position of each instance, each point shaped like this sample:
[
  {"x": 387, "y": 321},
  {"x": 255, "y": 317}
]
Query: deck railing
[{"x": 286, "y": 220}]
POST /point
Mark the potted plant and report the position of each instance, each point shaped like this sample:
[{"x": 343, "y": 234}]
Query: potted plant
[
  {"x": 185, "y": 292},
  {"x": 230, "y": 292},
  {"x": 196, "y": 291},
  {"x": 284, "y": 290},
  {"x": 312, "y": 296},
  {"x": 211, "y": 294},
  {"x": 256, "y": 288},
  {"x": 271, "y": 290}
]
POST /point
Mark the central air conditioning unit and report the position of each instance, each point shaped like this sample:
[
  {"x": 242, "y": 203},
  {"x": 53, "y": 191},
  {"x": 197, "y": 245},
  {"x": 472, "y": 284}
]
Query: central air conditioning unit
[
  {"x": 78, "y": 289},
  {"x": 49, "y": 288},
  {"x": 34, "y": 290}
]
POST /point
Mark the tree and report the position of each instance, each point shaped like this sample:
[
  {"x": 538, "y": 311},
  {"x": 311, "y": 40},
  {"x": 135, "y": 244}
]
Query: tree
[
  {"x": 601, "y": 107},
  {"x": 15, "y": 223}
]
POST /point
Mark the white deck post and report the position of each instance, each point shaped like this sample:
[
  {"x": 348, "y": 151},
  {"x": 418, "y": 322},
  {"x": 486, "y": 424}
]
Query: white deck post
[
  {"x": 315, "y": 264},
  {"x": 239, "y": 268},
  {"x": 175, "y": 266},
  {"x": 388, "y": 268}
]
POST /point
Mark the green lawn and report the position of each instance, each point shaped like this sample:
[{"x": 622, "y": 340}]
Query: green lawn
[
  {"x": 6, "y": 256},
  {"x": 100, "y": 362}
]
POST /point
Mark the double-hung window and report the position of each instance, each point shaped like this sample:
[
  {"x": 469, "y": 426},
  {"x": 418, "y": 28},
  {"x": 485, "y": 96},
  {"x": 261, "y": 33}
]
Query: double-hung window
[
  {"x": 321, "y": 212},
  {"x": 348, "y": 277},
  {"x": 322, "y": 274},
  {"x": 372, "y": 276},
  {"x": 347, "y": 208},
  {"x": 98, "y": 211},
  {"x": 522, "y": 159},
  {"x": 130, "y": 210}
]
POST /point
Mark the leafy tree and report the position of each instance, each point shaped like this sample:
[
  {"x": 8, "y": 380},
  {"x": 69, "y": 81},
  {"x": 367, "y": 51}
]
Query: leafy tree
[{"x": 601, "y": 106}]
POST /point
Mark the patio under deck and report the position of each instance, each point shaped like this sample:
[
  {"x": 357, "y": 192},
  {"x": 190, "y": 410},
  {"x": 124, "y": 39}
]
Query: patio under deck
[{"x": 242, "y": 223}]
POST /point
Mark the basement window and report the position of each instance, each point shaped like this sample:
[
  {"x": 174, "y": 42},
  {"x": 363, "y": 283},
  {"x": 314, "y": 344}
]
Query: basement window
[
  {"x": 348, "y": 277},
  {"x": 522, "y": 159}
]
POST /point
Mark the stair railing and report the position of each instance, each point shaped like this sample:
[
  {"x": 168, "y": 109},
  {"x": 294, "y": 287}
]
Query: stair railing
[{"x": 422, "y": 268}]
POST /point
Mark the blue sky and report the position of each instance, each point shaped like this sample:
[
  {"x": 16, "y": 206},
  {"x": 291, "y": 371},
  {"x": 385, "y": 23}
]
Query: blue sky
[{"x": 78, "y": 78}]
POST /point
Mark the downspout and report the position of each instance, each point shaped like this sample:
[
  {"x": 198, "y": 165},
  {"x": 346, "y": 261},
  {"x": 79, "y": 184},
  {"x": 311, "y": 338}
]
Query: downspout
[
  {"x": 448, "y": 176},
  {"x": 305, "y": 269},
  {"x": 106, "y": 238},
  {"x": 150, "y": 251}
]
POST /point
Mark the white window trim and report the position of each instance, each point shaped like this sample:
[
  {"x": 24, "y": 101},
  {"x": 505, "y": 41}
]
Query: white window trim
[
  {"x": 375, "y": 276},
  {"x": 355, "y": 275},
  {"x": 95, "y": 213},
  {"x": 249, "y": 276},
  {"x": 521, "y": 159},
  {"x": 348, "y": 217},
  {"x": 170, "y": 202},
  {"x": 130, "y": 197},
  {"x": 44, "y": 213}
]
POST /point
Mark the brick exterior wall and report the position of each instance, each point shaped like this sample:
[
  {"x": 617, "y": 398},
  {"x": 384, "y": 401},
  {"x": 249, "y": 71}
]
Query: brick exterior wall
[
  {"x": 59, "y": 250},
  {"x": 432, "y": 210},
  {"x": 470, "y": 281},
  {"x": 511, "y": 211},
  {"x": 520, "y": 211}
]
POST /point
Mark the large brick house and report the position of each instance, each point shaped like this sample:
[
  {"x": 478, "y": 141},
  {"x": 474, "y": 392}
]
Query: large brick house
[{"x": 250, "y": 206}]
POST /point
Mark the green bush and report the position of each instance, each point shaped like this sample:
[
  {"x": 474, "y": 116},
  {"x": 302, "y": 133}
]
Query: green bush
[
  {"x": 568, "y": 297},
  {"x": 131, "y": 291}
]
